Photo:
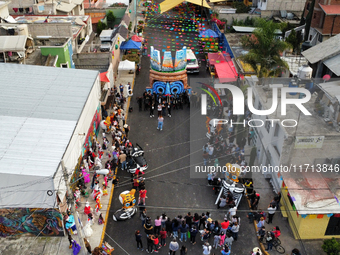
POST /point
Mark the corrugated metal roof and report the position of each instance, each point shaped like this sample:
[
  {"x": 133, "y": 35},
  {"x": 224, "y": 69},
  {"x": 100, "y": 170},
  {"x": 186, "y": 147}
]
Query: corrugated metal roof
[
  {"x": 324, "y": 50},
  {"x": 39, "y": 109},
  {"x": 13, "y": 43},
  {"x": 334, "y": 64}
]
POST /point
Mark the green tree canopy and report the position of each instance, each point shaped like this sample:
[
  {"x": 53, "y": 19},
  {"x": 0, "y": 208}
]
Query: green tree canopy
[
  {"x": 294, "y": 40},
  {"x": 110, "y": 16},
  {"x": 100, "y": 27},
  {"x": 265, "y": 49}
]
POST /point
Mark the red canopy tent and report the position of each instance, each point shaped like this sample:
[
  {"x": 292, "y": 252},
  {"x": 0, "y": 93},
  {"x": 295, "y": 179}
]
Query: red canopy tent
[
  {"x": 224, "y": 66},
  {"x": 136, "y": 38},
  {"x": 103, "y": 77},
  {"x": 226, "y": 71}
]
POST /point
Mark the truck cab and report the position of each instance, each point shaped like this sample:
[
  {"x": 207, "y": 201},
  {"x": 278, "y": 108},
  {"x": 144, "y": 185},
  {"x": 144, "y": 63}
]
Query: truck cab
[{"x": 192, "y": 63}]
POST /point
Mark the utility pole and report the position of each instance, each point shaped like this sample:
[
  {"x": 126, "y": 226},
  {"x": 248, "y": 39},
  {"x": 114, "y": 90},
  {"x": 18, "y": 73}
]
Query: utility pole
[{"x": 70, "y": 199}]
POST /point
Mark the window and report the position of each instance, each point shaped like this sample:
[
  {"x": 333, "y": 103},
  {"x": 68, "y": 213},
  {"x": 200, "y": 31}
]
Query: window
[
  {"x": 314, "y": 15},
  {"x": 277, "y": 129},
  {"x": 333, "y": 227},
  {"x": 64, "y": 65}
]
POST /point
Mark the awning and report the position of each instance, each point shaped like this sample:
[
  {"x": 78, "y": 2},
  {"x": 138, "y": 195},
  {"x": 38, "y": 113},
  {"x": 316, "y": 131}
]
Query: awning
[
  {"x": 126, "y": 65},
  {"x": 103, "y": 77},
  {"x": 65, "y": 7},
  {"x": 215, "y": 1},
  {"x": 333, "y": 64},
  {"x": 130, "y": 45},
  {"x": 208, "y": 33},
  {"x": 136, "y": 38},
  {"x": 14, "y": 43},
  {"x": 226, "y": 71},
  {"x": 169, "y": 4},
  {"x": 218, "y": 57}
]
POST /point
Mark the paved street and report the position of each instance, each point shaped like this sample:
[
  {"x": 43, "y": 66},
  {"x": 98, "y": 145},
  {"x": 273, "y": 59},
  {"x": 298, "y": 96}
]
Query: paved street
[{"x": 170, "y": 188}]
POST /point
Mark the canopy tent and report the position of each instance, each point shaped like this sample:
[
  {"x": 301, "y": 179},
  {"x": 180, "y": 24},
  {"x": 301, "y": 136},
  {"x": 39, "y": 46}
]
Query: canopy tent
[
  {"x": 226, "y": 71},
  {"x": 169, "y": 4},
  {"x": 208, "y": 33},
  {"x": 103, "y": 77},
  {"x": 137, "y": 38},
  {"x": 130, "y": 45},
  {"x": 218, "y": 57},
  {"x": 126, "y": 65}
]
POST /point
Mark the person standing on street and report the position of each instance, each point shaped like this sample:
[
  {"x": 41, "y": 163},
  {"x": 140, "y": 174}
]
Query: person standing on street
[
  {"x": 139, "y": 240},
  {"x": 160, "y": 123},
  {"x": 271, "y": 211},
  {"x": 122, "y": 159},
  {"x": 159, "y": 109},
  {"x": 152, "y": 107},
  {"x": 142, "y": 196},
  {"x": 206, "y": 248},
  {"x": 126, "y": 130},
  {"x": 173, "y": 247}
]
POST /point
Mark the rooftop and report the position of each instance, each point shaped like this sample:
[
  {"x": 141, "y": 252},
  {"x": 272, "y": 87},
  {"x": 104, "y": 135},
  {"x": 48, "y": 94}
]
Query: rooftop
[
  {"x": 330, "y": 9},
  {"x": 308, "y": 125},
  {"x": 324, "y": 50},
  {"x": 14, "y": 43},
  {"x": 77, "y": 22},
  {"x": 312, "y": 192},
  {"x": 38, "y": 122}
]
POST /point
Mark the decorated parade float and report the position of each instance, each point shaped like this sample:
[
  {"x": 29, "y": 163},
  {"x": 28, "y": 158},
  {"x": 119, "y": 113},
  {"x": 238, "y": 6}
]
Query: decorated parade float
[{"x": 166, "y": 78}]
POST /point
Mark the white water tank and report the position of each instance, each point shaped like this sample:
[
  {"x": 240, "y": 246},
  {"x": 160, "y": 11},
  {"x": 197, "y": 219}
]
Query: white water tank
[
  {"x": 305, "y": 72},
  {"x": 22, "y": 29}
]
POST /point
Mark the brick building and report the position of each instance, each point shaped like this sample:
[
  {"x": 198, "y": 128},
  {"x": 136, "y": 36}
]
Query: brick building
[{"x": 325, "y": 20}]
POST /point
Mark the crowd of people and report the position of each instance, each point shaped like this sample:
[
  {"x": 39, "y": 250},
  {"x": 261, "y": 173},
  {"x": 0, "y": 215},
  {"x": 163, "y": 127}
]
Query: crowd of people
[{"x": 181, "y": 230}]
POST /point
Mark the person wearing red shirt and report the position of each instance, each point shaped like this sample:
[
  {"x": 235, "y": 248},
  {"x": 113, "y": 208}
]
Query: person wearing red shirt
[
  {"x": 142, "y": 196},
  {"x": 163, "y": 236},
  {"x": 224, "y": 225}
]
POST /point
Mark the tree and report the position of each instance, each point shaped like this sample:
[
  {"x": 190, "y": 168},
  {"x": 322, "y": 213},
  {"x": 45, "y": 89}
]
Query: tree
[
  {"x": 265, "y": 49},
  {"x": 309, "y": 19},
  {"x": 331, "y": 246},
  {"x": 100, "y": 27},
  {"x": 294, "y": 41},
  {"x": 110, "y": 17}
]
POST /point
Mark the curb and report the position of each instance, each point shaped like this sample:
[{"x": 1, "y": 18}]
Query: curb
[
  {"x": 113, "y": 186},
  {"x": 263, "y": 249}
]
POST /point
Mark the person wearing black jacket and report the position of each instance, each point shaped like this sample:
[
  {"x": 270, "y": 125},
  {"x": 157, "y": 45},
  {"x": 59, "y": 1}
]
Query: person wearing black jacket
[
  {"x": 148, "y": 228},
  {"x": 139, "y": 240},
  {"x": 188, "y": 219}
]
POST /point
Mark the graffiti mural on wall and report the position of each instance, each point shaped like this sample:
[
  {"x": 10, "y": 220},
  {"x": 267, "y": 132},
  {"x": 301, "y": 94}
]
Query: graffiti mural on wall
[
  {"x": 93, "y": 130},
  {"x": 33, "y": 221}
]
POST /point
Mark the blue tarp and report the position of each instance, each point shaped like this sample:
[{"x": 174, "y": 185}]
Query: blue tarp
[
  {"x": 208, "y": 33},
  {"x": 130, "y": 45}
]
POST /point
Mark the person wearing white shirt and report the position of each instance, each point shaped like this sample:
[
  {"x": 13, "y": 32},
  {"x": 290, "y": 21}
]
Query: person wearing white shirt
[
  {"x": 271, "y": 211},
  {"x": 206, "y": 248}
]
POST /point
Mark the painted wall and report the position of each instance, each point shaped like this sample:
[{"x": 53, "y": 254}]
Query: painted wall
[
  {"x": 32, "y": 221},
  {"x": 64, "y": 53},
  {"x": 310, "y": 227}
]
